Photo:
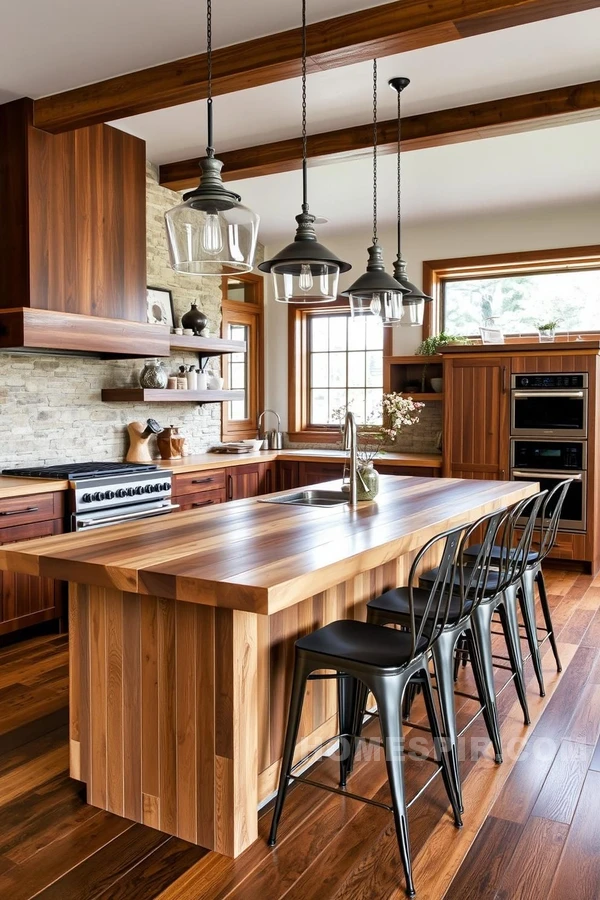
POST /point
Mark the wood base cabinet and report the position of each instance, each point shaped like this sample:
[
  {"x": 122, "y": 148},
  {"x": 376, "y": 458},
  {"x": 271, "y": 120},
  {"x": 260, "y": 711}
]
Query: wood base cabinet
[{"x": 26, "y": 599}]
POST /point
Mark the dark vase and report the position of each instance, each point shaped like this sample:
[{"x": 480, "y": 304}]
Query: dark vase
[{"x": 194, "y": 319}]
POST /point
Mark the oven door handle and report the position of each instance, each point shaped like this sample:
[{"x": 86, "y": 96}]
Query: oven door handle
[
  {"x": 531, "y": 395},
  {"x": 113, "y": 520},
  {"x": 551, "y": 476}
]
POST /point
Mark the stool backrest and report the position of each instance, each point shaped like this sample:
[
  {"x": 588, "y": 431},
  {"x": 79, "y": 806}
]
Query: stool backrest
[
  {"x": 550, "y": 517},
  {"x": 475, "y": 570},
  {"x": 515, "y": 547},
  {"x": 455, "y": 581}
]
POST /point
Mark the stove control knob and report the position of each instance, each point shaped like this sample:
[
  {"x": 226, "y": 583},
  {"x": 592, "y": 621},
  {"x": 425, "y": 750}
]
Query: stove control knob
[
  {"x": 148, "y": 489},
  {"x": 86, "y": 498},
  {"x": 121, "y": 492},
  {"x": 130, "y": 492},
  {"x": 98, "y": 496},
  {"x": 166, "y": 486},
  {"x": 109, "y": 495},
  {"x": 139, "y": 490},
  {"x": 156, "y": 487}
]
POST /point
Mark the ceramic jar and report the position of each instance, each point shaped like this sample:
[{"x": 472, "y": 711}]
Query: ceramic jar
[
  {"x": 154, "y": 375},
  {"x": 367, "y": 482},
  {"x": 194, "y": 319},
  {"x": 170, "y": 443}
]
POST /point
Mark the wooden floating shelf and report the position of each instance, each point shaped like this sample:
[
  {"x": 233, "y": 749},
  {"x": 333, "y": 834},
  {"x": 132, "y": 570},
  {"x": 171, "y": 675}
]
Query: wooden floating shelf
[
  {"x": 422, "y": 397},
  {"x": 206, "y": 346},
  {"x": 146, "y": 395}
]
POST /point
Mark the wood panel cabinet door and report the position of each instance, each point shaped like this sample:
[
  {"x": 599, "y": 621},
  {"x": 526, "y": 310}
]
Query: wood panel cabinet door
[
  {"x": 316, "y": 472},
  {"x": 25, "y": 599},
  {"x": 287, "y": 475},
  {"x": 477, "y": 422},
  {"x": 250, "y": 481}
]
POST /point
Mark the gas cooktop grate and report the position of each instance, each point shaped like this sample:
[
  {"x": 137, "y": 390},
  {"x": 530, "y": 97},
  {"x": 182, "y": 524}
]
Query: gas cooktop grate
[{"x": 72, "y": 471}]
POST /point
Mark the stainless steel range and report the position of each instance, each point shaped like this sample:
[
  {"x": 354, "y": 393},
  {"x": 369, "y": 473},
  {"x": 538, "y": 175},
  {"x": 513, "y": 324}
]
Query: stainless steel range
[{"x": 107, "y": 493}]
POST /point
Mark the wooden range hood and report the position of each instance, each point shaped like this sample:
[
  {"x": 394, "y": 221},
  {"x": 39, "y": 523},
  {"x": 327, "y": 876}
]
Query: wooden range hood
[{"x": 73, "y": 241}]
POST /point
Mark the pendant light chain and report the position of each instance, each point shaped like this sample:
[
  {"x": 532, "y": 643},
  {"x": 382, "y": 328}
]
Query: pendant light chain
[
  {"x": 210, "y": 149},
  {"x": 399, "y": 189},
  {"x": 304, "y": 138},
  {"x": 374, "y": 151}
]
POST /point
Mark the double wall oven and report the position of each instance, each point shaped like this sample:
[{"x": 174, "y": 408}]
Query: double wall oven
[{"x": 549, "y": 430}]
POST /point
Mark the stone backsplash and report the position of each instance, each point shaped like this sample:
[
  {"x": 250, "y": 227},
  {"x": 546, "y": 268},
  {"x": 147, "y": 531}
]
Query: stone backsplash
[
  {"x": 424, "y": 437},
  {"x": 50, "y": 406}
]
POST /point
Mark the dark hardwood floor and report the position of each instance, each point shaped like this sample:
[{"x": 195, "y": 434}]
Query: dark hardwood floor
[{"x": 531, "y": 827}]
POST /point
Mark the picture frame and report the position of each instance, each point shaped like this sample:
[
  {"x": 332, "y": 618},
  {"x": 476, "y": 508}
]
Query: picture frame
[{"x": 159, "y": 306}]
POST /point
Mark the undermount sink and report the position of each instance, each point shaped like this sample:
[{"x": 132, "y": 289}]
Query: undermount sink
[{"x": 309, "y": 498}]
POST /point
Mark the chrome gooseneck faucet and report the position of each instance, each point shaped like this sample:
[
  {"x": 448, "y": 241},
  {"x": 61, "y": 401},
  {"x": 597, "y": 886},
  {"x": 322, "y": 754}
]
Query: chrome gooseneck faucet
[{"x": 350, "y": 441}]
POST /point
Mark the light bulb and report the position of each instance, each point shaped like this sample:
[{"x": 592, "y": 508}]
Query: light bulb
[
  {"x": 375, "y": 305},
  {"x": 305, "y": 281},
  {"x": 212, "y": 241}
]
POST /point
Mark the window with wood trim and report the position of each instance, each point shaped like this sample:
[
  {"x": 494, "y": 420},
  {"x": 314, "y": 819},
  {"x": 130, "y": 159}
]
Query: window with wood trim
[
  {"x": 518, "y": 292},
  {"x": 242, "y": 320},
  {"x": 334, "y": 361}
]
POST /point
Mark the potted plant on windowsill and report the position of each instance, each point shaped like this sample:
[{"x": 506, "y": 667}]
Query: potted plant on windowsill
[
  {"x": 547, "y": 331},
  {"x": 431, "y": 345},
  {"x": 397, "y": 412}
]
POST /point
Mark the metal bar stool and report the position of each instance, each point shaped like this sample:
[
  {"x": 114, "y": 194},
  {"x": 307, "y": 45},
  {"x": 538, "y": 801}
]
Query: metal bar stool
[
  {"x": 393, "y": 608},
  {"x": 548, "y": 527},
  {"x": 366, "y": 657},
  {"x": 500, "y": 595}
]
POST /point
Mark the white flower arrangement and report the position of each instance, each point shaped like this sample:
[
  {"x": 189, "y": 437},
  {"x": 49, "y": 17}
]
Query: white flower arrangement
[{"x": 396, "y": 411}]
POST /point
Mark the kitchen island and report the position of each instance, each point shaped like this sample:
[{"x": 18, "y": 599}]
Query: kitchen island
[{"x": 182, "y": 632}]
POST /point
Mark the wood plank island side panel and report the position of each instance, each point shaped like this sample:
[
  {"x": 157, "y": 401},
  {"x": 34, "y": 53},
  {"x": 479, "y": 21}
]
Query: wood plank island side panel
[{"x": 149, "y": 679}]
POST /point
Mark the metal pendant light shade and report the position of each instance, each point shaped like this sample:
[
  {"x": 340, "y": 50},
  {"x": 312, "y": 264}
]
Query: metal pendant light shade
[
  {"x": 305, "y": 271},
  {"x": 413, "y": 299},
  {"x": 211, "y": 232},
  {"x": 375, "y": 292}
]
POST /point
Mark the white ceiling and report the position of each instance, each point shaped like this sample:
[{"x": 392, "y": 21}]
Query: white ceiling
[
  {"x": 548, "y": 167},
  {"x": 487, "y": 67},
  {"x": 47, "y": 46}
]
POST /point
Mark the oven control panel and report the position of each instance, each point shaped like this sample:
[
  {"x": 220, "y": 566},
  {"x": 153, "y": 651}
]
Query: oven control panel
[{"x": 550, "y": 382}]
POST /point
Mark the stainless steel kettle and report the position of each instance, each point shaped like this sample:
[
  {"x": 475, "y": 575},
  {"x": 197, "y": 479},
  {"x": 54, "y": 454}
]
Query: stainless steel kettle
[{"x": 272, "y": 440}]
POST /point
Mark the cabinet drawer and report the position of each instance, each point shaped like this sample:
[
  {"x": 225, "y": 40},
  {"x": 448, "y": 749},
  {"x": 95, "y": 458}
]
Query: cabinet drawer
[
  {"x": 195, "y": 482},
  {"x": 33, "y": 508},
  {"x": 28, "y": 532},
  {"x": 201, "y": 499}
]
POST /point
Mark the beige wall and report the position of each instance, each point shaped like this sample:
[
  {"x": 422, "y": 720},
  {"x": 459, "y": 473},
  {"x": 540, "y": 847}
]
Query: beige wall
[
  {"x": 50, "y": 406},
  {"x": 501, "y": 233}
]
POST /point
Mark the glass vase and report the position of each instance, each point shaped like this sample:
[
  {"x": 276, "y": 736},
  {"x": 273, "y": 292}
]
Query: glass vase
[
  {"x": 546, "y": 335},
  {"x": 367, "y": 486},
  {"x": 154, "y": 375}
]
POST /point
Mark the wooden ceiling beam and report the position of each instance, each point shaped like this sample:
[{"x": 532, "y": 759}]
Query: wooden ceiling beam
[
  {"x": 510, "y": 115},
  {"x": 379, "y": 31}
]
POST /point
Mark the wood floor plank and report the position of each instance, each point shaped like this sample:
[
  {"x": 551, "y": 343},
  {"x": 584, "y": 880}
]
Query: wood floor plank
[
  {"x": 595, "y": 763},
  {"x": 98, "y": 873},
  {"x": 578, "y": 872},
  {"x": 27, "y": 776},
  {"x": 485, "y": 862},
  {"x": 157, "y": 870},
  {"x": 584, "y": 726},
  {"x": 560, "y": 793},
  {"x": 529, "y": 872},
  {"x": 54, "y": 861},
  {"x": 522, "y": 789}
]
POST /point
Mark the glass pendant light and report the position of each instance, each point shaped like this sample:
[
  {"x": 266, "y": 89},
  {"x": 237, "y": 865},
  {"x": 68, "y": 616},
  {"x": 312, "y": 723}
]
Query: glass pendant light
[
  {"x": 413, "y": 302},
  {"x": 305, "y": 271},
  {"x": 375, "y": 291},
  {"x": 211, "y": 232}
]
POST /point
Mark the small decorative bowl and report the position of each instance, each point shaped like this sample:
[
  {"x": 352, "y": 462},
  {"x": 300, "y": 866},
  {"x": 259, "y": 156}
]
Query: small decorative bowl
[{"x": 437, "y": 384}]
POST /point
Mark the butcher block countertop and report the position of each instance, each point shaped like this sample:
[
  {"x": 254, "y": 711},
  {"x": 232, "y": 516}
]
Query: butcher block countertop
[
  {"x": 24, "y": 487},
  {"x": 262, "y": 557},
  {"x": 201, "y": 461}
]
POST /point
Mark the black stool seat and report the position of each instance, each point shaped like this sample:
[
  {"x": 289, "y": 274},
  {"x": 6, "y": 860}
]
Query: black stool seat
[
  {"x": 498, "y": 553},
  {"x": 360, "y": 642},
  {"x": 397, "y": 600},
  {"x": 491, "y": 584}
]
